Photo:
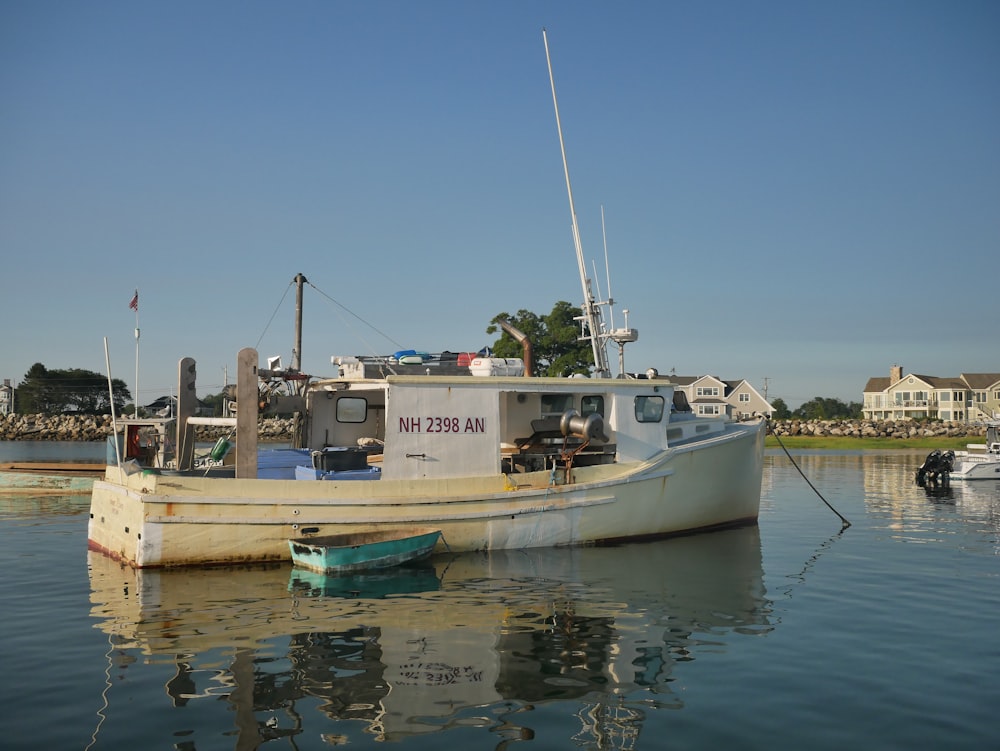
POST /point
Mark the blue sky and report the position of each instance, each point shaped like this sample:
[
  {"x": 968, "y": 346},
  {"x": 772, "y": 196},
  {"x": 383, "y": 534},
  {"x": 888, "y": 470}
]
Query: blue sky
[{"x": 800, "y": 192}]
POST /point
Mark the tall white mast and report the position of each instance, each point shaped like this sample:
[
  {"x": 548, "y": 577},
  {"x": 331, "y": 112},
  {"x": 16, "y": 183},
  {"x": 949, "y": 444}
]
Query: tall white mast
[{"x": 591, "y": 310}]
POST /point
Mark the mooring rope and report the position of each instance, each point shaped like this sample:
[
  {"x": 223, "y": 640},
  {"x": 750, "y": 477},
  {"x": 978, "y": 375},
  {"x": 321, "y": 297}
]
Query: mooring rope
[{"x": 842, "y": 519}]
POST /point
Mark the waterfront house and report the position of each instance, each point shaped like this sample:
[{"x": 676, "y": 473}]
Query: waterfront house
[
  {"x": 969, "y": 397},
  {"x": 166, "y": 406},
  {"x": 6, "y": 398},
  {"x": 710, "y": 396}
]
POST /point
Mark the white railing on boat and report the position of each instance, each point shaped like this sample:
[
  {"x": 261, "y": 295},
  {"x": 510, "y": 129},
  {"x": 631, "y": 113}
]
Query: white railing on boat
[{"x": 228, "y": 422}]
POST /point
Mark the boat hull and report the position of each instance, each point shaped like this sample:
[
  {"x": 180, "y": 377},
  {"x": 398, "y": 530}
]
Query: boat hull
[
  {"x": 986, "y": 469},
  {"x": 152, "y": 521}
]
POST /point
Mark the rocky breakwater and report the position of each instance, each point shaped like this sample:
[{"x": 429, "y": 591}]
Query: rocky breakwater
[
  {"x": 875, "y": 429},
  {"x": 99, "y": 427}
]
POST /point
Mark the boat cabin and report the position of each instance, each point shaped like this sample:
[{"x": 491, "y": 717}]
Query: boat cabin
[{"x": 420, "y": 427}]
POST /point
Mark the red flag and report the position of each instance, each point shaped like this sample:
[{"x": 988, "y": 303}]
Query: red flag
[{"x": 135, "y": 302}]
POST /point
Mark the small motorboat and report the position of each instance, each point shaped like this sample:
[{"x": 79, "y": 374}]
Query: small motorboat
[
  {"x": 360, "y": 551},
  {"x": 982, "y": 460}
]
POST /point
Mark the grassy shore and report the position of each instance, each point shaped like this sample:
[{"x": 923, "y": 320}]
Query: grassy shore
[{"x": 875, "y": 444}]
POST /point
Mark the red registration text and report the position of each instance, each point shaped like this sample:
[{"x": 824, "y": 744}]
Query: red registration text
[{"x": 442, "y": 424}]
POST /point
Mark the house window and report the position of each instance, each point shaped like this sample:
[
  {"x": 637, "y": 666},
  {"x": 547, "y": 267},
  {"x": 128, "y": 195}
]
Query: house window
[
  {"x": 745, "y": 398},
  {"x": 708, "y": 409},
  {"x": 707, "y": 391},
  {"x": 945, "y": 414},
  {"x": 946, "y": 396},
  {"x": 958, "y": 396},
  {"x": 649, "y": 408}
]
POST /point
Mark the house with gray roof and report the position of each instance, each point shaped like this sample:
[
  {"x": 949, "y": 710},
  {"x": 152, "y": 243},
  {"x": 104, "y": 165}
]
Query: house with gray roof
[
  {"x": 969, "y": 397},
  {"x": 709, "y": 395}
]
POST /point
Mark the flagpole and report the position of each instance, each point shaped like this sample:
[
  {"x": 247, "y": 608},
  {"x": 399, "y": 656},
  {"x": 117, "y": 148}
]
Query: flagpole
[{"x": 135, "y": 307}]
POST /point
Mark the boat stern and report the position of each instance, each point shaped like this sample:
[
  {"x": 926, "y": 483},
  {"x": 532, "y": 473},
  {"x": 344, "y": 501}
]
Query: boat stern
[{"x": 115, "y": 527}]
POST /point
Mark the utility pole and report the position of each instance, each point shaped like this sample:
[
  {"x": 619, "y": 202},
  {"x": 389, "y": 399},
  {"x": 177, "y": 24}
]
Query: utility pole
[{"x": 299, "y": 280}]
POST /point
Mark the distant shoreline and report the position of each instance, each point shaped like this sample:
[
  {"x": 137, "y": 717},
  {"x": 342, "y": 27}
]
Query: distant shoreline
[
  {"x": 844, "y": 443},
  {"x": 880, "y": 434}
]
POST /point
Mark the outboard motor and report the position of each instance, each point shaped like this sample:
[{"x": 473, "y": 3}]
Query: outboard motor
[{"x": 936, "y": 467}]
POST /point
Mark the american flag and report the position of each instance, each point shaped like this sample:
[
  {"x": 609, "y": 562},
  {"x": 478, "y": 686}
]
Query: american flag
[{"x": 134, "y": 304}]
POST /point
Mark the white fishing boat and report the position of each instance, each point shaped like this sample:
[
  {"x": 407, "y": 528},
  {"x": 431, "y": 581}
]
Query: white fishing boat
[
  {"x": 490, "y": 457},
  {"x": 981, "y": 461}
]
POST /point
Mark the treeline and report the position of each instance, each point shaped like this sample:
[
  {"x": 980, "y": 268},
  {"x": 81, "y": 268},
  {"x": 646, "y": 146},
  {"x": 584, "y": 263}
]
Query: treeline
[
  {"x": 59, "y": 391},
  {"x": 818, "y": 408},
  {"x": 53, "y": 392}
]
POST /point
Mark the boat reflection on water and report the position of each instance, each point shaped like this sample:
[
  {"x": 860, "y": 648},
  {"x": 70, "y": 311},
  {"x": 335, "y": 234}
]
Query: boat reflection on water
[{"x": 464, "y": 639}]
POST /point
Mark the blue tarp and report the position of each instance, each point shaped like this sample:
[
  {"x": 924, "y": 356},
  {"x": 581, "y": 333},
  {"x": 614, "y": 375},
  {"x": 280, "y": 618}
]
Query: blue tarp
[
  {"x": 308, "y": 473},
  {"x": 280, "y": 464}
]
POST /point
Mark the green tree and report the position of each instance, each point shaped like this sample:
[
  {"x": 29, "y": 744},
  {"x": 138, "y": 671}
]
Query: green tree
[
  {"x": 555, "y": 344},
  {"x": 34, "y": 394},
  {"x": 68, "y": 390},
  {"x": 216, "y": 402},
  {"x": 781, "y": 410},
  {"x": 828, "y": 408}
]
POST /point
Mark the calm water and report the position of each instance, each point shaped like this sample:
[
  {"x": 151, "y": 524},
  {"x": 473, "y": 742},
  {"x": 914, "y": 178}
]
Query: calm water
[{"x": 790, "y": 634}]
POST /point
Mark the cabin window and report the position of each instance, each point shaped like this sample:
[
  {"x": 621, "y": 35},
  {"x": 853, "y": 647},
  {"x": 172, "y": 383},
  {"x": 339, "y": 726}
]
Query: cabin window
[
  {"x": 592, "y": 405},
  {"x": 352, "y": 409},
  {"x": 556, "y": 404},
  {"x": 649, "y": 408}
]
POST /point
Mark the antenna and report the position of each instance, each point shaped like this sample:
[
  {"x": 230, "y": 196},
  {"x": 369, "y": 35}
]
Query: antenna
[
  {"x": 621, "y": 337},
  {"x": 607, "y": 272}
]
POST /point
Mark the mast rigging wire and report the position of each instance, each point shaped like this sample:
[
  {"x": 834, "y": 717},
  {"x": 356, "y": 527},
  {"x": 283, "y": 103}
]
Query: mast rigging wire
[{"x": 340, "y": 305}]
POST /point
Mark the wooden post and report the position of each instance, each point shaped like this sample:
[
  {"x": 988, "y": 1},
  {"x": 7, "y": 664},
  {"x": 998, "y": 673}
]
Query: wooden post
[
  {"x": 187, "y": 403},
  {"x": 247, "y": 395}
]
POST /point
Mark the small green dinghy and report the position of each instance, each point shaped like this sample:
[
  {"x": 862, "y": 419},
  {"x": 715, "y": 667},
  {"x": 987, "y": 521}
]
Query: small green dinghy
[{"x": 359, "y": 551}]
